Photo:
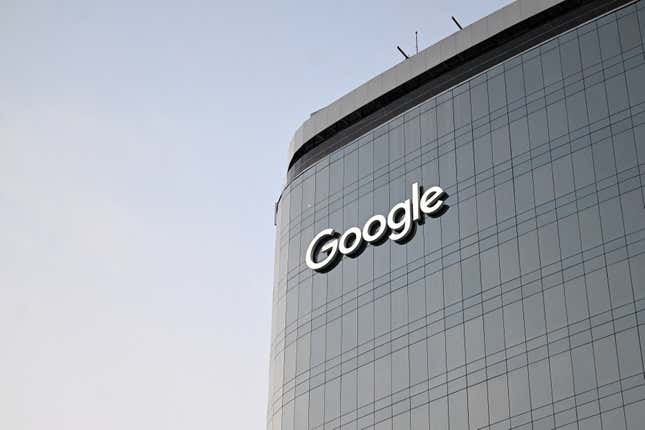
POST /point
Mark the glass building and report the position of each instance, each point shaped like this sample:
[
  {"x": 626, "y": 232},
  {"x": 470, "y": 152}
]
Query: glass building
[{"x": 523, "y": 305}]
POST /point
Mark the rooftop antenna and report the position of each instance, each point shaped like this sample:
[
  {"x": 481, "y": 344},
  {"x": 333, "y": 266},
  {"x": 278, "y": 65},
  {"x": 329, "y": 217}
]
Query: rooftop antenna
[
  {"x": 416, "y": 40},
  {"x": 456, "y": 22},
  {"x": 402, "y": 52}
]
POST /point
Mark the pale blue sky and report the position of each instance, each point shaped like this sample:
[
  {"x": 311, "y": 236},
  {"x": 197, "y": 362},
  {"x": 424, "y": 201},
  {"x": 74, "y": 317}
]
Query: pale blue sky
[{"x": 142, "y": 145}]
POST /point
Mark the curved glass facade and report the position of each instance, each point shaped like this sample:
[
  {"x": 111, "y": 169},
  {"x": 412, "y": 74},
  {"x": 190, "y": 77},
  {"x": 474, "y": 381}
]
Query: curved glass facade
[{"x": 523, "y": 306}]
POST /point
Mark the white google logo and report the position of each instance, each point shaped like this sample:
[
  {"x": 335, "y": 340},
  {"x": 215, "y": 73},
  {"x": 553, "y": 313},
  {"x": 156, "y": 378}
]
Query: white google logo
[{"x": 399, "y": 224}]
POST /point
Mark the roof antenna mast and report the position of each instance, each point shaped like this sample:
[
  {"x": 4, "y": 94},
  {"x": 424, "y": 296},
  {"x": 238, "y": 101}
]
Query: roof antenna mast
[
  {"x": 402, "y": 52},
  {"x": 456, "y": 22},
  {"x": 416, "y": 40}
]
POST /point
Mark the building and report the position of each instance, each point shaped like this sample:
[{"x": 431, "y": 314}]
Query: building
[{"x": 517, "y": 304}]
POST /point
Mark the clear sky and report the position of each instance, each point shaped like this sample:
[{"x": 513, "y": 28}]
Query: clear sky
[{"x": 142, "y": 146}]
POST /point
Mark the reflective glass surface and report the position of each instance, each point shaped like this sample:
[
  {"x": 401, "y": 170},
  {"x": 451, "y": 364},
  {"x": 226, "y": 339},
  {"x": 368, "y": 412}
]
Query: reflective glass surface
[{"x": 523, "y": 306}]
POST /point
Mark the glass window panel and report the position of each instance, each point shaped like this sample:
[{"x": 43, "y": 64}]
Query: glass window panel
[
  {"x": 614, "y": 419},
  {"x": 609, "y": 43},
  {"x": 583, "y": 368},
  {"x": 301, "y": 417},
  {"x": 501, "y": 145},
  {"x": 596, "y": 102},
  {"x": 477, "y": 406},
  {"x": 383, "y": 377},
  {"x": 603, "y": 157},
  {"x": 635, "y": 85},
  {"x": 576, "y": 300},
  {"x": 419, "y": 418},
  {"x": 412, "y": 134},
  {"x": 514, "y": 323},
  {"x": 479, "y": 100},
  {"x": 302, "y": 353},
  {"x": 582, "y": 160},
  {"x": 474, "y": 330},
  {"x": 395, "y": 143},
  {"x": 462, "y": 109},
  {"x": 399, "y": 306},
  {"x": 317, "y": 346},
  {"x": 635, "y": 415},
  {"x": 509, "y": 263},
  {"x": 629, "y": 32},
  {"x": 494, "y": 331},
  {"x": 629, "y": 356},
  {"x": 445, "y": 118},
  {"x": 551, "y": 66},
  {"x": 577, "y": 111},
  {"x": 483, "y": 153},
  {"x": 612, "y": 219},
  {"x": 333, "y": 339},
  {"x": 589, "y": 49},
  {"x": 316, "y": 406},
  {"x": 533, "y": 75},
  {"x": 439, "y": 413},
  {"x": 561, "y": 376},
  {"x": 598, "y": 291},
  {"x": 625, "y": 150},
  {"x": 489, "y": 268},
  {"x": 633, "y": 211},
  {"x": 365, "y": 384},
  {"x": 434, "y": 292},
  {"x": 616, "y": 93},
  {"x": 332, "y": 399},
  {"x": 400, "y": 370},
  {"x": 549, "y": 244},
  {"x": 365, "y": 159},
  {"x": 486, "y": 209},
  {"x": 447, "y": 170},
  {"x": 452, "y": 284},
  {"x": 538, "y": 130},
  {"x": 540, "y": 387},
  {"x": 504, "y": 200},
  {"x": 467, "y": 218},
  {"x": 557, "y": 117},
  {"x": 534, "y": 316},
  {"x": 620, "y": 287},
  {"x": 401, "y": 421},
  {"x": 591, "y": 423},
  {"x": 514, "y": 83},
  {"x": 570, "y": 54},
  {"x": 418, "y": 362},
  {"x": 458, "y": 410},
  {"x": 348, "y": 392},
  {"x": 350, "y": 331},
  {"x": 470, "y": 276},
  {"x": 428, "y": 122},
  {"x": 497, "y": 92},
  {"x": 637, "y": 266},
  {"x": 529, "y": 254},
  {"x": 437, "y": 354},
  {"x": 562, "y": 176},
  {"x": 518, "y": 389},
  {"x": 455, "y": 346},
  {"x": 606, "y": 360},
  {"x": 569, "y": 235},
  {"x": 381, "y": 315},
  {"x": 416, "y": 300},
  {"x": 554, "y": 306},
  {"x": 465, "y": 163},
  {"x": 590, "y": 227},
  {"x": 523, "y": 192},
  {"x": 498, "y": 398},
  {"x": 380, "y": 152}
]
